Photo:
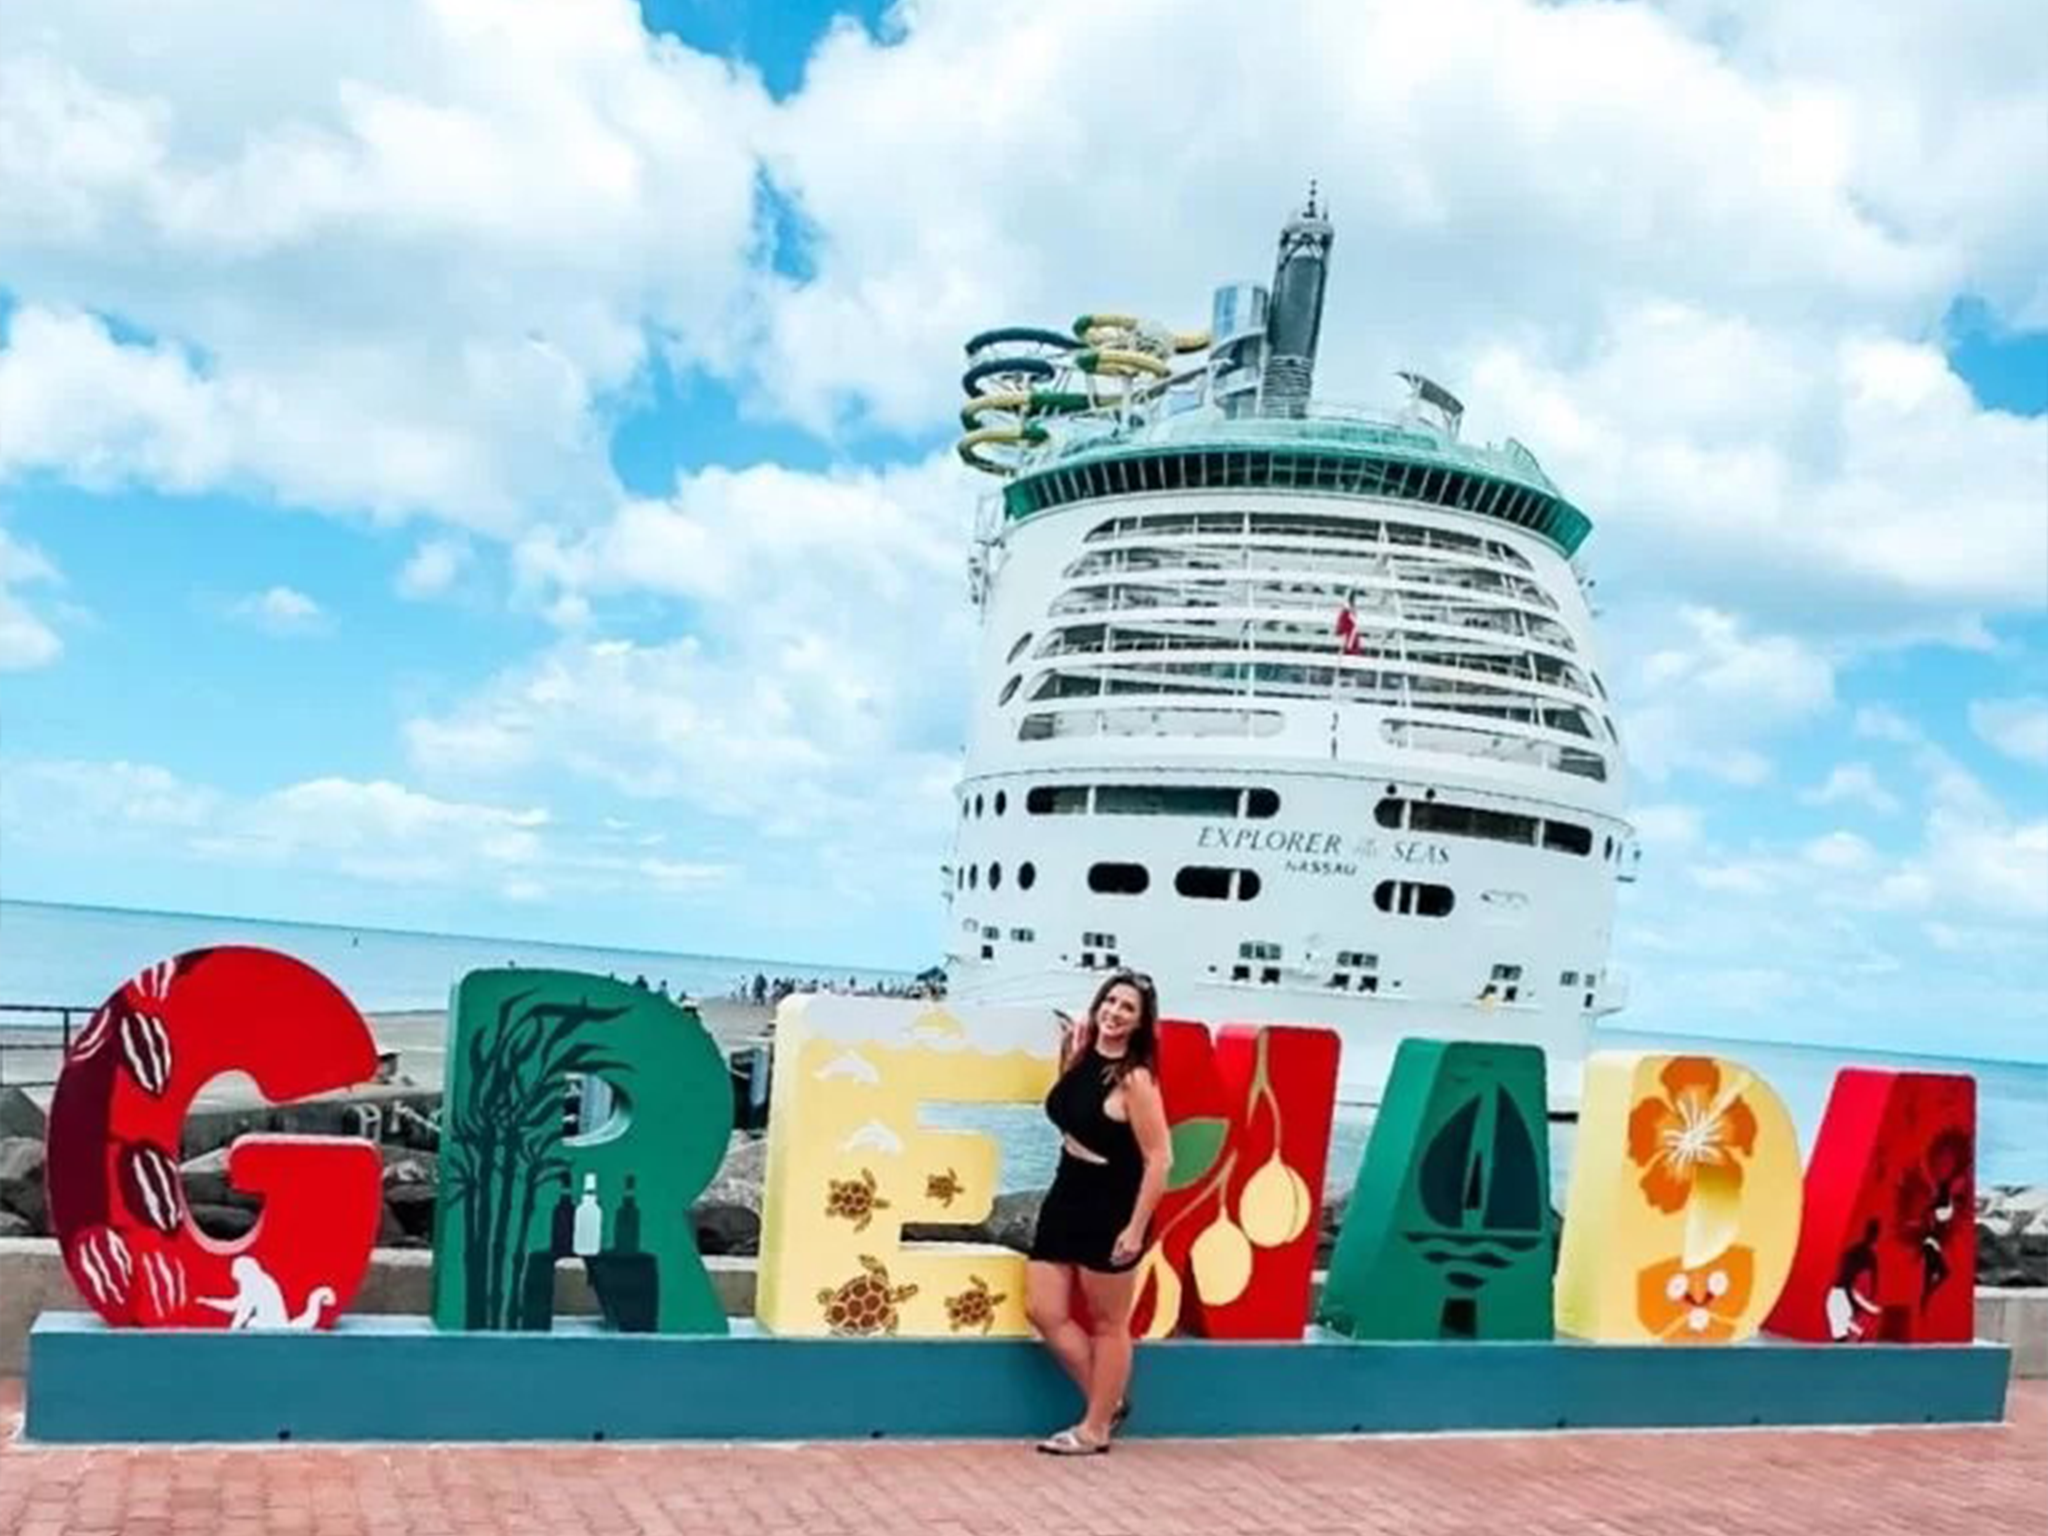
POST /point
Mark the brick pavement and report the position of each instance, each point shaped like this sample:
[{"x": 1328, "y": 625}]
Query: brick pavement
[{"x": 1983, "y": 1481}]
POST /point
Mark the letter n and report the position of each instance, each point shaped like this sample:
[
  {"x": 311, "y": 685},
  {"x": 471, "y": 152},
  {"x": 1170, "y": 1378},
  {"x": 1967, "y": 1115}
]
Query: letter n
[{"x": 1234, "y": 1240}]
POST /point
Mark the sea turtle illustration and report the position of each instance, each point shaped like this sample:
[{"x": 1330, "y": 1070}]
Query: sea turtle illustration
[
  {"x": 867, "y": 1302},
  {"x": 942, "y": 1187},
  {"x": 855, "y": 1199},
  {"x": 974, "y": 1307}
]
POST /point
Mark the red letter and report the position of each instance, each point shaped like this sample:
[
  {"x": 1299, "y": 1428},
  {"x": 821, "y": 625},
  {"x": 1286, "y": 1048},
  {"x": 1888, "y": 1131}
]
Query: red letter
[
  {"x": 1888, "y": 1247},
  {"x": 117, "y": 1202},
  {"x": 1251, "y": 1140}
]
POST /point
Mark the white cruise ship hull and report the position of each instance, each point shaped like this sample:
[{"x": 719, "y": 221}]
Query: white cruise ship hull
[{"x": 1296, "y": 708}]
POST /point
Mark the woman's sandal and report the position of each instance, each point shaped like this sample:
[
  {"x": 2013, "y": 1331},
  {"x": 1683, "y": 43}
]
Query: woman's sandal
[{"x": 1071, "y": 1442}]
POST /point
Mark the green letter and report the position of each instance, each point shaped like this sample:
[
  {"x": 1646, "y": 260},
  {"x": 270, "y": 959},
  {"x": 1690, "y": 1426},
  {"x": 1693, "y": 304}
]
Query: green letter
[
  {"x": 1448, "y": 1233},
  {"x": 519, "y": 1192}
]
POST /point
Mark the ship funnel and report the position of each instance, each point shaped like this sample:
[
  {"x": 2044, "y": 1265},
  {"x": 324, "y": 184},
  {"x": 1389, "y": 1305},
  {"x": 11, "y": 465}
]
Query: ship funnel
[{"x": 1294, "y": 317}]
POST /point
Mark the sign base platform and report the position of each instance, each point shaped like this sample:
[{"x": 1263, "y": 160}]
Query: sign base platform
[{"x": 382, "y": 1378}]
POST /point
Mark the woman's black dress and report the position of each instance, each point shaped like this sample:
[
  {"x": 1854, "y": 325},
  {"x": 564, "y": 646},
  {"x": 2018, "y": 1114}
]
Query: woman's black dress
[{"x": 1089, "y": 1203}]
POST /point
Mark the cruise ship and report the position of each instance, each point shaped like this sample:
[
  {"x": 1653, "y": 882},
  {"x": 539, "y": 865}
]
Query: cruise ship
[{"x": 1293, "y": 705}]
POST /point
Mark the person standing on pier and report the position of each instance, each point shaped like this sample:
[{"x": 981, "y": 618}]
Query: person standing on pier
[{"x": 1115, "y": 1154}]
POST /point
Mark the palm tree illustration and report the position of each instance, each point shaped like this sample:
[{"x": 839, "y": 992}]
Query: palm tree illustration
[{"x": 508, "y": 1132}]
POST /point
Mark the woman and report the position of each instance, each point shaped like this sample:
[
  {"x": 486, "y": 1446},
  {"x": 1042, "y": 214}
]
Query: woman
[{"x": 1114, "y": 1157}]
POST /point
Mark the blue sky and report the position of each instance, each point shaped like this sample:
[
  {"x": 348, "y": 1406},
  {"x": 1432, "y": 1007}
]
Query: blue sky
[{"x": 496, "y": 480}]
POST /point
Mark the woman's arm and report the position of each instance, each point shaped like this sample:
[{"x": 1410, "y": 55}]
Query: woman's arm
[
  {"x": 1074, "y": 1038},
  {"x": 1147, "y": 1111}
]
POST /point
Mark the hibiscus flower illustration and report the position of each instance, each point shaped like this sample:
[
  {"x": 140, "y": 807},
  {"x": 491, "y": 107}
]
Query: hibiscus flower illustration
[
  {"x": 1691, "y": 1143},
  {"x": 1704, "y": 1304}
]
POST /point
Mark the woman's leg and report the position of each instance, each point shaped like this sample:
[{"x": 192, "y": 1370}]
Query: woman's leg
[
  {"x": 1109, "y": 1299},
  {"x": 1049, "y": 1303}
]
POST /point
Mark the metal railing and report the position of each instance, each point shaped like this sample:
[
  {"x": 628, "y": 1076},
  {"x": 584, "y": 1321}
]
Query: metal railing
[{"x": 41, "y": 1033}]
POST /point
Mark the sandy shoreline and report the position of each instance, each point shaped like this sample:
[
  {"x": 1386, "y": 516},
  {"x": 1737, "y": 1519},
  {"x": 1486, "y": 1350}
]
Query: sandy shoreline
[{"x": 420, "y": 1036}]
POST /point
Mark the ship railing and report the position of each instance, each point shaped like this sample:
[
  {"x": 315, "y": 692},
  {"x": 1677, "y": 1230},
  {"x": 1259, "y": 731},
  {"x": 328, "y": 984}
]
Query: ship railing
[{"x": 1329, "y": 421}]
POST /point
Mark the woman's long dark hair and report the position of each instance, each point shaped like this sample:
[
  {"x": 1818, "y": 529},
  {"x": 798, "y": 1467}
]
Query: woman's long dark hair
[{"x": 1142, "y": 1048}]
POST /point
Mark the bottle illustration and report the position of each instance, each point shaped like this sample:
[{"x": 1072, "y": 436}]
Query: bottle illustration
[
  {"x": 589, "y": 1235},
  {"x": 562, "y": 1223},
  {"x": 626, "y": 1231}
]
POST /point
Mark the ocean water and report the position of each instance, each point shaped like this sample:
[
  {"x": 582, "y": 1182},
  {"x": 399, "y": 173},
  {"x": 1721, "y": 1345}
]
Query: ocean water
[
  {"x": 2012, "y": 1110},
  {"x": 76, "y": 955},
  {"x": 66, "y": 955}
]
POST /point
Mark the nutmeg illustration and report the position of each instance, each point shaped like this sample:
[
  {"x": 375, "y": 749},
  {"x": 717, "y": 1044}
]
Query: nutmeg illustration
[
  {"x": 1156, "y": 1272},
  {"x": 161, "y": 1291},
  {"x": 1222, "y": 1261},
  {"x": 1274, "y": 1207},
  {"x": 151, "y": 1186},
  {"x": 104, "y": 1267},
  {"x": 146, "y": 1048}
]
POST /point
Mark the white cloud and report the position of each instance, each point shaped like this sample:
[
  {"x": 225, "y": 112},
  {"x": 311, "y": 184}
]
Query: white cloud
[
  {"x": 1947, "y": 107},
  {"x": 1853, "y": 784},
  {"x": 378, "y": 831},
  {"x": 1698, "y": 703},
  {"x": 1841, "y": 853},
  {"x": 375, "y": 832},
  {"x": 823, "y": 678},
  {"x": 433, "y": 567},
  {"x": 817, "y": 700},
  {"x": 1668, "y": 827},
  {"x": 42, "y": 797},
  {"x": 2017, "y": 727},
  {"x": 26, "y": 641},
  {"x": 1880, "y": 723},
  {"x": 1866, "y": 941},
  {"x": 280, "y": 610},
  {"x": 392, "y": 261}
]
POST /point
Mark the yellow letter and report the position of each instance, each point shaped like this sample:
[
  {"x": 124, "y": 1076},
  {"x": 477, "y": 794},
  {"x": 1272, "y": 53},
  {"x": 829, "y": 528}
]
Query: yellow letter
[
  {"x": 849, "y": 1164},
  {"x": 1685, "y": 1197}
]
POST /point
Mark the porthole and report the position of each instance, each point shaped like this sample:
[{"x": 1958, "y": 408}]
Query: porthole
[
  {"x": 1018, "y": 649},
  {"x": 979, "y": 805},
  {"x": 973, "y": 877},
  {"x": 1002, "y": 801},
  {"x": 1118, "y": 879},
  {"x": 1010, "y": 689},
  {"x": 995, "y": 876},
  {"x": 1027, "y": 875}
]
